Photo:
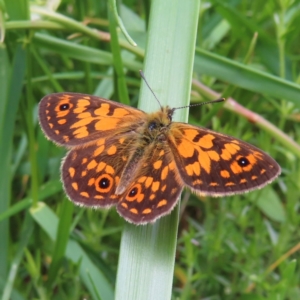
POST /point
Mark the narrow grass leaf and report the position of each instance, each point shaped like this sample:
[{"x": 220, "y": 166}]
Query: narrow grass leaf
[
  {"x": 11, "y": 92},
  {"x": 269, "y": 203},
  {"x": 62, "y": 237},
  {"x": 119, "y": 21},
  {"x": 117, "y": 58},
  {"x": 25, "y": 234},
  {"x": 46, "y": 190},
  {"x": 245, "y": 76},
  {"x": 80, "y": 52},
  {"x": 48, "y": 221}
]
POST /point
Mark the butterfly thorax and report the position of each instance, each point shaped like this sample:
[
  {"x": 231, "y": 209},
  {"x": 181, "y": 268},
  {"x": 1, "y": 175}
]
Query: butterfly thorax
[
  {"x": 152, "y": 136},
  {"x": 157, "y": 125}
]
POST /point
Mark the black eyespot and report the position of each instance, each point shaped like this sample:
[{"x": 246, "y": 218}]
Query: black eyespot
[
  {"x": 64, "y": 106},
  {"x": 104, "y": 183},
  {"x": 133, "y": 192},
  {"x": 152, "y": 126},
  {"x": 243, "y": 162}
]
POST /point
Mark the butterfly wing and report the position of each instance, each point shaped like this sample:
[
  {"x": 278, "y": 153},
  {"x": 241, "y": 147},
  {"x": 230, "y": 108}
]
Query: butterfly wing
[
  {"x": 91, "y": 173},
  {"x": 155, "y": 188},
  {"x": 71, "y": 119},
  {"x": 215, "y": 164},
  {"x": 100, "y": 133}
]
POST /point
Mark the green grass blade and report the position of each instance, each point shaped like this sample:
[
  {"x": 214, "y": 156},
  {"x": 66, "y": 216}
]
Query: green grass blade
[
  {"x": 49, "y": 189},
  {"x": 11, "y": 92},
  {"x": 80, "y": 52},
  {"x": 121, "y": 86},
  {"x": 147, "y": 253},
  {"x": 30, "y": 126},
  {"x": 245, "y": 76},
  {"x": 25, "y": 234},
  {"x": 5, "y": 150},
  {"x": 62, "y": 236},
  {"x": 48, "y": 221},
  {"x": 119, "y": 22}
]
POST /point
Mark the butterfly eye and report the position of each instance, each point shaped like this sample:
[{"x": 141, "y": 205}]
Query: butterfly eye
[
  {"x": 64, "y": 106},
  {"x": 243, "y": 162},
  {"x": 152, "y": 126}
]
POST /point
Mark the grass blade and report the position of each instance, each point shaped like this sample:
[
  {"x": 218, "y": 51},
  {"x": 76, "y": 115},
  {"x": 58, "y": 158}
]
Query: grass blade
[
  {"x": 48, "y": 221},
  {"x": 245, "y": 76},
  {"x": 147, "y": 253},
  {"x": 25, "y": 235},
  {"x": 11, "y": 92}
]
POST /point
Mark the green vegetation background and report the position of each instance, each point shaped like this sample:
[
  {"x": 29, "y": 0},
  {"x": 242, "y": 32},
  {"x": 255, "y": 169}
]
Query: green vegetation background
[{"x": 240, "y": 247}]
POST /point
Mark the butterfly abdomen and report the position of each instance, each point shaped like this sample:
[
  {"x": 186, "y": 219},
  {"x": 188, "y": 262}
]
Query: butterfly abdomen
[{"x": 127, "y": 176}]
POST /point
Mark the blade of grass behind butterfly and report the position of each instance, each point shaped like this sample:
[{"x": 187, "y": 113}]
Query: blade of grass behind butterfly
[
  {"x": 147, "y": 253},
  {"x": 117, "y": 59},
  {"x": 245, "y": 76},
  {"x": 25, "y": 234},
  {"x": 61, "y": 240},
  {"x": 5, "y": 148},
  {"x": 79, "y": 52},
  {"x": 11, "y": 83},
  {"x": 48, "y": 221},
  {"x": 10, "y": 86}
]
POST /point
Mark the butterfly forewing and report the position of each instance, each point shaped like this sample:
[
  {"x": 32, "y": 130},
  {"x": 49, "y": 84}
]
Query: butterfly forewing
[{"x": 72, "y": 119}]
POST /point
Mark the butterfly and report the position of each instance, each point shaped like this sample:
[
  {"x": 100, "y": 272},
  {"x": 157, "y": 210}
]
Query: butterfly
[{"x": 139, "y": 162}]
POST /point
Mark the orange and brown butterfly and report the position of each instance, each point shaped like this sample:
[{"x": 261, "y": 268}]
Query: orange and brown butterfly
[{"x": 140, "y": 162}]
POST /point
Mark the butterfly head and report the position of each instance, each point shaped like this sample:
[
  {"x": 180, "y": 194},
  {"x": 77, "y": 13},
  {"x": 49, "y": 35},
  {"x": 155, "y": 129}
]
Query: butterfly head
[{"x": 158, "y": 123}]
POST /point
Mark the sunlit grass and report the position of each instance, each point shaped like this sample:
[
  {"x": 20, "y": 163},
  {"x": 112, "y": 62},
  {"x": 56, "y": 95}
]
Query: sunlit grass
[{"x": 227, "y": 248}]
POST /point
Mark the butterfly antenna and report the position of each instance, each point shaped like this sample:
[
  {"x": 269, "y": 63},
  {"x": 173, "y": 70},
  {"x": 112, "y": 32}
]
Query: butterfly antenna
[
  {"x": 202, "y": 103},
  {"x": 144, "y": 78}
]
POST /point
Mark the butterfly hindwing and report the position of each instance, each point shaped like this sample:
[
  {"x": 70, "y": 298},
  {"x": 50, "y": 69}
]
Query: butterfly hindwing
[
  {"x": 154, "y": 191},
  {"x": 92, "y": 172}
]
